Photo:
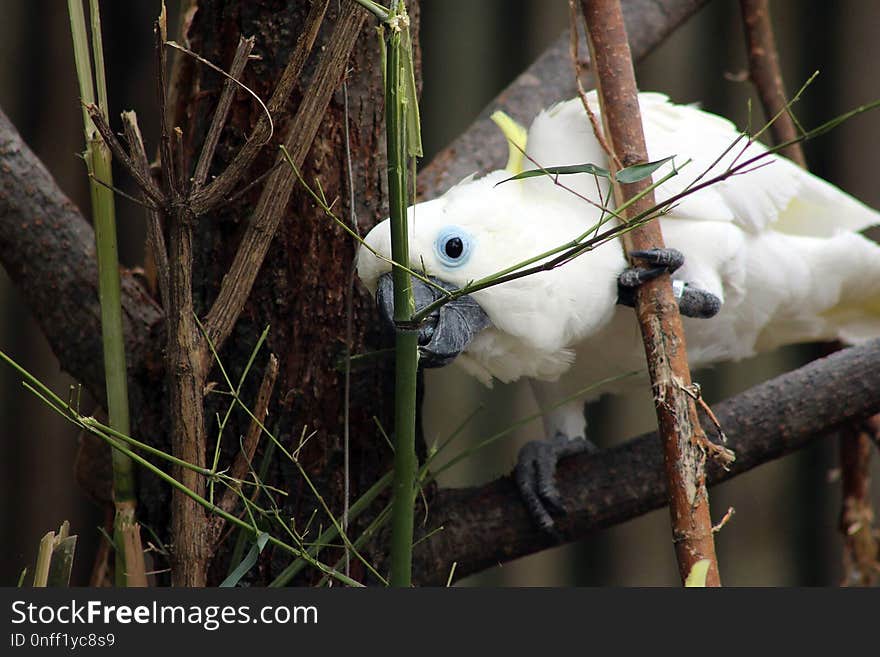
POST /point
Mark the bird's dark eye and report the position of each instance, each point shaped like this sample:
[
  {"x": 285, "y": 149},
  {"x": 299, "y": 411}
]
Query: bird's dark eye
[{"x": 453, "y": 246}]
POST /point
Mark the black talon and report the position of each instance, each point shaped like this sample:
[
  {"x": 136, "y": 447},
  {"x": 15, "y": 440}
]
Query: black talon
[
  {"x": 668, "y": 259},
  {"x": 535, "y": 476},
  {"x": 692, "y": 302}
]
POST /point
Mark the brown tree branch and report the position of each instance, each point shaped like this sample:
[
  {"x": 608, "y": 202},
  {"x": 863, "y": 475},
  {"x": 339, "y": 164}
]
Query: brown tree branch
[
  {"x": 486, "y": 525},
  {"x": 48, "y": 250},
  {"x": 237, "y": 283},
  {"x": 861, "y": 548},
  {"x": 218, "y": 121},
  {"x": 656, "y": 306},
  {"x": 766, "y": 75},
  {"x": 548, "y": 80}
]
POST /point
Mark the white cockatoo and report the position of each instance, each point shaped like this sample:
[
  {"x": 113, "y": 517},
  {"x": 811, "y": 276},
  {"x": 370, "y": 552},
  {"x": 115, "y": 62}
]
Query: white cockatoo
[{"x": 770, "y": 257}]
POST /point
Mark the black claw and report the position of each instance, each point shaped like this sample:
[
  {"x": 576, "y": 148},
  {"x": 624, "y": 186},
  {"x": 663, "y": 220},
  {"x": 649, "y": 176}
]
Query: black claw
[
  {"x": 692, "y": 302},
  {"x": 669, "y": 259},
  {"x": 633, "y": 277},
  {"x": 535, "y": 476}
]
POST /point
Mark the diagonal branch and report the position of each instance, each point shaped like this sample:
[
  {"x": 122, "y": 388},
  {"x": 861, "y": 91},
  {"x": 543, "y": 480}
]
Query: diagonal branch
[
  {"x": 219, "y": 120},
  {"x": 657, "y": 311},
  {"x": 237, "y": 283},
  {"x": 487, "y": 525},
  {"x": 155, "y": 236}
]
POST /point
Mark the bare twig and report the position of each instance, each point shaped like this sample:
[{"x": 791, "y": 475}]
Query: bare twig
[
  {"x": 656, "y": 307},
  {"x": 861, "y": 548},
  {"x": 155, "y": 236},
  {"x": 145, "y": 183},
  {"x": 166, "y": 156},
  {"x": 766, "y": 75},
  {"x": 217, "y": 190},
  {"x": 242, "y": 463},
  {"x": 220, "y": 113},
  {"x": 273, "y": 200}
]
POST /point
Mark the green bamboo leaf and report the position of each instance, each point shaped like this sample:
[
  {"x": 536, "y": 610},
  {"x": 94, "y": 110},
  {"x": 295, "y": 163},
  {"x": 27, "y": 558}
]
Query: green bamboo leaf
[
  {"x": 247, "y": 563},
  {"x": 639, "y": 172},
  {"x": 561, "y": 171}
]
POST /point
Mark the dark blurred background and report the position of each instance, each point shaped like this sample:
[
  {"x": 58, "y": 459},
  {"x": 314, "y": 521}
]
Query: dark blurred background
[{"x": 785, "y": 528}]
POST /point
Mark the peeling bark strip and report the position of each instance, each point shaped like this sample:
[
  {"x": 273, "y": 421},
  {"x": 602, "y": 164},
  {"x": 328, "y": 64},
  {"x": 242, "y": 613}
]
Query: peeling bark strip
[
  {"x": 656, "y": 308},
  {"x": 487, "y": 525}
]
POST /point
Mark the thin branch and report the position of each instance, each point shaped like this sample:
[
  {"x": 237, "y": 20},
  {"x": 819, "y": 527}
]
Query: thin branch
[
  {"x": 237, "y": 283},
  {"x": 155, "y": 236},
  {"x": 144, "y": 182},
  {"x": 766, "y": 75},
  {"x": 656, "y": 308},
  {"x": 486, "y": 525},
  {"x": 861, "y": 547},
  {"x": 166, "y": 157},
  {"x": 239, "y": 61},
  {"x": 216, "y": 191},
  {"x": 243, "y": 460}
]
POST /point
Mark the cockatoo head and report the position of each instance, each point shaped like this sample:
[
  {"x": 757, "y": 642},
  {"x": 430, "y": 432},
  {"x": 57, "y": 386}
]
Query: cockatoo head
[
  {"x": 477, "y": 229},
  {"x": 453, "y": 240}
]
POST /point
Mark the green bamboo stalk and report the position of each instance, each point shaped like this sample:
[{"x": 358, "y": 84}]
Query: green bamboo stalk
[
  {"x": 98, "y": 161},
  {"x": 406, "y": 347}
]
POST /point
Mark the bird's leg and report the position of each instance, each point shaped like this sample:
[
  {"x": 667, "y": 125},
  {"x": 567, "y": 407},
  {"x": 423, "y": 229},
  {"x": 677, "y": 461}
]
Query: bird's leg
[
  {"x": 692, "y": 301},
  {"x": 535, "y": 475}
]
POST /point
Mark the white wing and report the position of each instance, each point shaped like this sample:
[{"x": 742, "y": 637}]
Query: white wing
[{"x": 778, "y": 195}]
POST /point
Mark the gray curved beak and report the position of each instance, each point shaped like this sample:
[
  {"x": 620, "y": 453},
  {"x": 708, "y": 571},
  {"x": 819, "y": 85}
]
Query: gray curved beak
[{"x": 447, "y": 331}]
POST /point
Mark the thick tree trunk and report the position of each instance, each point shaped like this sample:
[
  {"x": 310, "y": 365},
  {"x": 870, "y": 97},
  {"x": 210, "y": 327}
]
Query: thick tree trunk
[{"x": 302, "y": 290}]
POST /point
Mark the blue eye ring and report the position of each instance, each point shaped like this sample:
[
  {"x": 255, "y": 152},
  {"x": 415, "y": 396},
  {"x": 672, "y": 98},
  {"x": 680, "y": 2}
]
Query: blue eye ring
[{"x": 453, "y": 246}]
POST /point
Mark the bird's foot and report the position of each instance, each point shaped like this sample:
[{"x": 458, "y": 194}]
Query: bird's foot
[
  {"x": 535, "y": 476},
  {"x": 692, "y": 301}
]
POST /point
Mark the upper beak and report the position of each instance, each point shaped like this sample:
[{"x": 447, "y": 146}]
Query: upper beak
[{"x": 447, "y": 331}]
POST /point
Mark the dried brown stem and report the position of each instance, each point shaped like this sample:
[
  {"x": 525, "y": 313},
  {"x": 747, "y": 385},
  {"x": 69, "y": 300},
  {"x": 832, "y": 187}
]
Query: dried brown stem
[
  {"x": 144, "y": 182},
  {"x": 656, "y": 307},
  {"x": 155, "y": 237},
  {"x": 166, "y": 157},
  {"x": 273, "y": 200},
  {"x": 239, "y": 61},
  {"x": 861, "y": 548},
  {"x": 217, "y": 191},
  {"x": 766, "y": 75},
  {"x": 242, "y": 463}
]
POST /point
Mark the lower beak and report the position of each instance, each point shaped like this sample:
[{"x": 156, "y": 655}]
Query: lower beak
[{"x": 447, "y": 331}]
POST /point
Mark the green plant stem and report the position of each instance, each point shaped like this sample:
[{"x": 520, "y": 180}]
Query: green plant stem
[
  {"x": 98, "y": 161},
  {"x": 406, "y": 347}
]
